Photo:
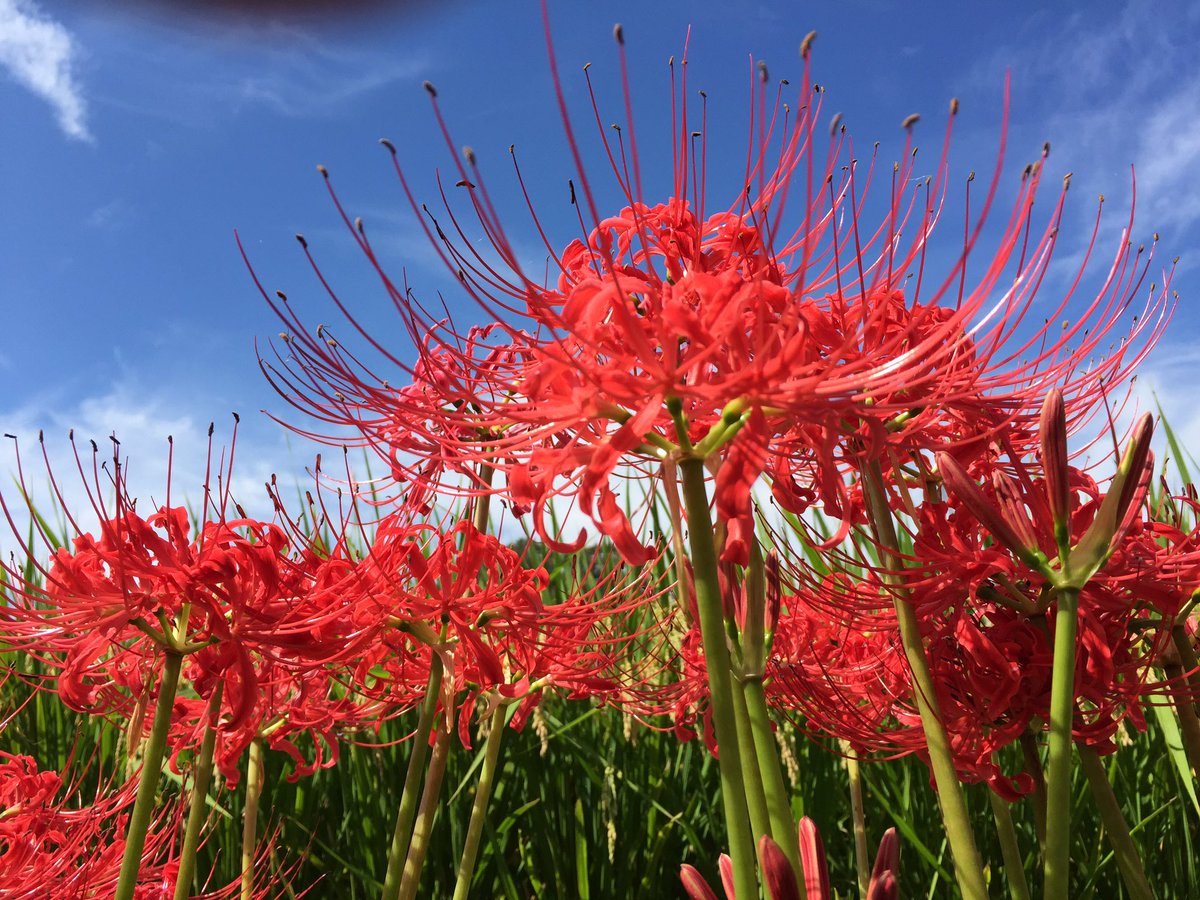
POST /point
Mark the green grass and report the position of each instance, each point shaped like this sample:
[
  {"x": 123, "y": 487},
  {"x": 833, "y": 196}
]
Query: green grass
[{"x": 597, "y": 807}]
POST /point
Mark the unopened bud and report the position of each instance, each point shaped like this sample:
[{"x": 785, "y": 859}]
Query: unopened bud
[
  {"x": 1053, "y": 434},
  {"x": 812, "y": 857},
  {"x": 887, "y": 863},
  {"x": 960, "y": 484},
  {"x": 1119, "y": 507},
  {"x": 774, "y": 590}
]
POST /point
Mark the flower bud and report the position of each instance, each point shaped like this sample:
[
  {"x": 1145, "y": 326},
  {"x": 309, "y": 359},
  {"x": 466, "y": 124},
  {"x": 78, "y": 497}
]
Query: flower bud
[
  {"x": 1118, "y": 508},
  {"x": 1053, "y": 429},
  {"x": 959, "y": 483},
  {"x": 777, "y": 872},
  {"x": 694, "y": 884},
  {"x": 887, "y": 862},
  {"x": 812, "y": 859}
]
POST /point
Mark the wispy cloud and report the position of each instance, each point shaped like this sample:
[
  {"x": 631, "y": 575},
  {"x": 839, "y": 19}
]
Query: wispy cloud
[
  {"x": 142, "y": 421},
  {"x": 305, "y": 76},
  {"x": 39, "y": 53},
  {"x": 111, "y": 215},
  {"x": 1114, "y": 91},
  {"x": 203, "y": 74}
]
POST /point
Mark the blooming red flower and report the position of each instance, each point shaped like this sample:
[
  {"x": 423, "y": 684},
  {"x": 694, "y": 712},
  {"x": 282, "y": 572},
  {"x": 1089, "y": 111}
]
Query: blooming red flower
[
  {"x": 774, "y": 334},
  {"x": 977, "y": 578},
  {"x": 52, "y": 849},
  {"x": 247, "y": 604}
]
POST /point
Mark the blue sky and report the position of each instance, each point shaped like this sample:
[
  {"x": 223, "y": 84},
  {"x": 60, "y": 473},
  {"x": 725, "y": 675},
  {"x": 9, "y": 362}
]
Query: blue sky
[{"x": 138, "y": 138}]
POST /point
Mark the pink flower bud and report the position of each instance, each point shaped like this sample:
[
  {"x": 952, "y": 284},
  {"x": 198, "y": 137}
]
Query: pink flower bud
[
  {"x": 812, "y": 859},
  {"x": 1053, "y": 428},
  {"x": 777, "y": 871},
  {"x": 887, "y": 861},
  {"x": 694, "y": 884},
  {"x": 1118, "y": 508},
  {"x": 967, "y": 491}
]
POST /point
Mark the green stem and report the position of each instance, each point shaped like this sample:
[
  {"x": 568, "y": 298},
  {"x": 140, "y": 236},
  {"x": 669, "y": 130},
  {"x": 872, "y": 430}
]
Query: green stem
[
  {"x": 862, "y": 862},
  {"x": 254, "y": 786},
  {"x": 143, "y": 805},
  {"x": 756, "y": 798},
  {"x": 198, "y": 806},
  {"x": 411, "y": 792},
  {"x": 1190, "y": 667},
  {"x": 770, "y": 773},
  {"x": 968, "y": 868},
  {"x": 1033, "y": 767},
  {"x": 483, "y": 502},
  {"x": 483, "y": 793},
  {"x": 1189, "y": 724},
  {"x": 1058, "y": 764},
  {"x": 716, "y": 657},
  {"x": 1187, "y": 655},
  {"x": 1014, "y": 863},
  {"x": 419, "y": 845},
  {"x": 1115, "y": 826}
]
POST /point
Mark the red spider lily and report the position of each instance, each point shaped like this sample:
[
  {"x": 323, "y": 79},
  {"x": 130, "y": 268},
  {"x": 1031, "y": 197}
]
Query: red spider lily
[
  {"x": 49, "y": 849},
  {"x": 777, "y": 332},
  {"x": 462, "y": 586},
  {"x": 245, "y": 602},
  {"x": 301, "y": 711},
  {"x": 466, "y": 596},
  {"x": 978, "y": 579}
]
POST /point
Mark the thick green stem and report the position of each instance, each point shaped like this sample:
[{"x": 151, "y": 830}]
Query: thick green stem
[
  {"x": 756, "y": 799},
  {"x": 143, "y": 805},
  {"x": 419, "y": 845},
  {"x": 1033, "y": 767},
  {"x": 1189, "y": 724},
  {"x": 1190, "y": 664},
  {"x": 1115, "y": 826},
  {"x": 1189, "y": 706},
  {"x": 716, "y": 658},
  {"x": 198, "y": 806},
  {"x": 254, "y": 786},
  {"x": 483, "y": 502},
  {"x": 862, "y": 861},
  {"x": 410, "y": 794},
  {"x": 968, "y": 868},
  {"x": 770, "y": 772},
  {"x": 1058, "y": 763},
  {"x": 1014, "y": 863},
  {"x": 483, "y": 793}
]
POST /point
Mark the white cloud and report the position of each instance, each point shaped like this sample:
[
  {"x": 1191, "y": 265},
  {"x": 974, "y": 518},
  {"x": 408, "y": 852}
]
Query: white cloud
[
  {"x": 39, "y": 53},
  {"x": 142, "y": 419},
  {"x": 1166, "y": 382},
  {"x": 111, "y": 215},
  {"x": 1111, "y": 90},
  {"x": 203, "y": 75}
]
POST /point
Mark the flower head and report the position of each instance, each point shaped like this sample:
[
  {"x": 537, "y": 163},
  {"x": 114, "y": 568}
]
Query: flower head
[{"x": 761, "y": 324}]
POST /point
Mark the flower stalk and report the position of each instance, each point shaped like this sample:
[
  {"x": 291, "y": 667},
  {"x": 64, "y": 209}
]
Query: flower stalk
[
  {"x": 197, "y": 807},
  {"x": 770, "y": 771},
  {"x": 717, "y": 664},
  {"x": 423, "y": 827},
  {"x": 756, "y": 798},
  {"x": 1014, "y": 863},
  {"x": 483, "y": 794},
  {"x": 968, "y": 868},
  {"x": 255, "y": 771},
  {"x": 1115, "y": 826},
  {"x": 858, "y": 816},
  {"x": 1058, "y": 762},
  {"x": 410, "y": 793},
  {"x": 152, "y": 757}
]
